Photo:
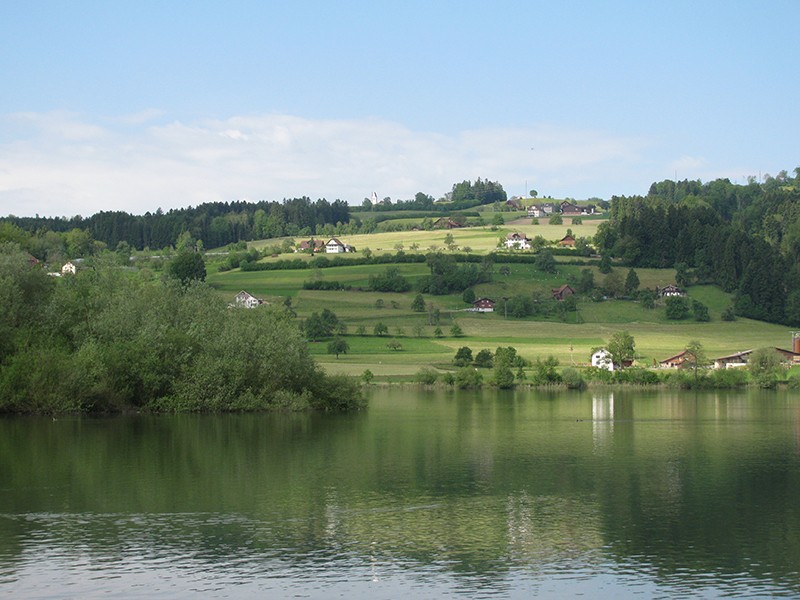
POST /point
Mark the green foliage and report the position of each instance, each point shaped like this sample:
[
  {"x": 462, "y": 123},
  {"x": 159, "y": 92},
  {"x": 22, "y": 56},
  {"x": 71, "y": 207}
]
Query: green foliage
[
  {"x": 572, "y": 378},
  {"x": 729, "y": 314},
  {"x": 484, "y": 359},
  {"x": 418, "y": 303},
  {"x": 187, "y": 266},
  {"x": 438, "y": 332},
  {"x": 468, "y": 377},
  {"x": 456, "y": 331},
  {"x": 447, "y": 276},
  {"x": 700, "y": 311},
  {"x": 389, "y": 281},
  {"x": 622, "y": 347},
  {"x": 605, "y": 264},
  {"x": 555, "y": 219},
  {"x": 647, "y": 298},
  {"x": 545, "y": 261},
  {"x": 468, "y": 296},
  {"x": 380, "y": 329},
  {"x": 613, "y": 285},
  {"x": 463, "y": 356},
  {"x": 394, "y": 345},
  {"x": 631, "y": 283},
  {"x": 426, "y": 376},
  {"x": 367, "y": 376},
  {"x": 765, "y": 365},
  {"x": 636, "y": 376},
  {"x": 677, "y": 308},
  {"x": 110, "y": 342},
  {"x": 338, "y": 346},
  {"x": 544, "y": 371},
  {"x": 468, "y": 194}
]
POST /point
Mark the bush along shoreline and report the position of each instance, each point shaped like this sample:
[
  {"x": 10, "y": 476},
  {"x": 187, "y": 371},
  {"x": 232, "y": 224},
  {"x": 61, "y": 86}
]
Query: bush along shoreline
[{"x": 103, "y": 341}]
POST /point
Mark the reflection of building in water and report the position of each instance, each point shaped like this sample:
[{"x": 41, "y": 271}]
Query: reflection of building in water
[{"x": 602, "y": 420}]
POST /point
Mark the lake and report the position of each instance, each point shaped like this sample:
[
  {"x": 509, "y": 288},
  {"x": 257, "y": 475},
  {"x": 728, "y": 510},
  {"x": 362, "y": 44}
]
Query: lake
[{"x": 427, "y": 494}]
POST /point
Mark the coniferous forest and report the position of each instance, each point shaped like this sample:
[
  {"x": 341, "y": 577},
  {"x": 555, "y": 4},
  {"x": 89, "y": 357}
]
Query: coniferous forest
[{"x": 744, "y": 238}]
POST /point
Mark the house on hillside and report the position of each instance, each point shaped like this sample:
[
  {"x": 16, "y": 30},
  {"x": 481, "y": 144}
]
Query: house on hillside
[
  {"x": 568, "y": 209},
  {"x": 68, "y": 269},
  {"x": 483, "y": 305},
  {"x": 602, "y": 359},
  {"x": 246, "y": 300},
  {"x": 669, "y": 291},
  {"x": 741, "y": 359},
  {"x": 548, "y": 208},
  {"x": 311, "y": 245},
  {"x": 536, "y": 212},
  {"x": 567, "y": 241},
  {"x": 673, "y": 362},
  {"x": 334, "y": 246},
  {"x": 517, "y": 241},
  {"x": 446, "y": 223},
  {"x": 562, "y": 292}
]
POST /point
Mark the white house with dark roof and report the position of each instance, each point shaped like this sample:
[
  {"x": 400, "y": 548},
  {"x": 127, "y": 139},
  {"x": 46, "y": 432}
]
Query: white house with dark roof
[
  {"x": 518, "y": 241},
  {"x": 246, "y": 300},
  {"x": 334, "y": 246}
]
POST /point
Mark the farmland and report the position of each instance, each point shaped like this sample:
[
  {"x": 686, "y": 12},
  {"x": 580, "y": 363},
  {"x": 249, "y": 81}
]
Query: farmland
[{"x": 569, "y": 337}]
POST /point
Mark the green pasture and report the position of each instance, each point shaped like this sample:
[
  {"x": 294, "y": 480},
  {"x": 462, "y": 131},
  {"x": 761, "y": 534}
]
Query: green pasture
[
  {"x": 479, "y": 239},
  {"x": 571, "y": 342}
]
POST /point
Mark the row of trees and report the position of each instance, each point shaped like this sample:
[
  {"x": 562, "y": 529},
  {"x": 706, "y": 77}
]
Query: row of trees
[{"x": 216, "y": 223}]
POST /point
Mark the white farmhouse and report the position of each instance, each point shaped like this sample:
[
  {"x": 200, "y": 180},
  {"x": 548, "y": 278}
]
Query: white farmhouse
[
  {"x": 246, "y": 300},
  {"x": 602, "y": 359},
  {"x": 518, "y": 241},
  {"x": 334, "y": 246}
]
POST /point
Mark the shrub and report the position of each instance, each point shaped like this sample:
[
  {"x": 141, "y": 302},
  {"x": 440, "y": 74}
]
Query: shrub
[
  {"x": 468, "y": 377},
  {"x": 794, "y": 382},
  {"x": 636, "y": 376},
  {"x": 728, "y": 378},
  {"x": 426, "y": 376},
  {"x": 572, "y": 378}
]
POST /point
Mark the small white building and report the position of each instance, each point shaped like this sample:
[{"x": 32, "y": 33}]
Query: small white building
[
  {"x": 518, "y": 241},
  {"x": 68, "y": 268},
  {"x": 603, "y": 359},
  {"x": 246, "y": 300}
]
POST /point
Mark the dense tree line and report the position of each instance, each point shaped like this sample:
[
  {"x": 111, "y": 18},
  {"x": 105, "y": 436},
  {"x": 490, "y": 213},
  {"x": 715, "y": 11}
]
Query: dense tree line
[
  {"x": 108, "y": 340},
  {"x": 216, "y": 223},
  {"x": 744, "y": 238}
]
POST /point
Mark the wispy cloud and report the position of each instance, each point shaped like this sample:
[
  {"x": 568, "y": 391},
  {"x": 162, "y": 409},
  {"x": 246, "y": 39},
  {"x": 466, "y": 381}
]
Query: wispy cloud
[{"x": 61, "y": 164}]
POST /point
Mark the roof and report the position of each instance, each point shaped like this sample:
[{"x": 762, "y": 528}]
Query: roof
[
  {"x": 673, "y": 358},
  {"x": 737, "y": 355}
]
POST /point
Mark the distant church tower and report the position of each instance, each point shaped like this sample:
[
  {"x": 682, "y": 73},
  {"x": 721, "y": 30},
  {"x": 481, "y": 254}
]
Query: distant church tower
[{"x": 374, "y": 197}]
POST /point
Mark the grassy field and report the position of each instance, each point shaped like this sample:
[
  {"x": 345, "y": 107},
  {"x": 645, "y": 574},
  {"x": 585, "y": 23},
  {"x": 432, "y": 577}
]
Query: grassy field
[
  {"x": 571, "y": 341},
  {"x": 479, "y": 239}
]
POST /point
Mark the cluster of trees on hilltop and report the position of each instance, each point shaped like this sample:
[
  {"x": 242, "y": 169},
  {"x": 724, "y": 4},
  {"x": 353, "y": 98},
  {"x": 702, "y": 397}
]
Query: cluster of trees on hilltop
[
  {"x": 744, "y": 238},
  {"x": 463, "y": 195},
  {"x": 216, "y": 223}
]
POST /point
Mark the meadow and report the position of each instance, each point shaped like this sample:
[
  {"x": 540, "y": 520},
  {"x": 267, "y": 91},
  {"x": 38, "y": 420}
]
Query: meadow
[{"x": 570, "y": 340}]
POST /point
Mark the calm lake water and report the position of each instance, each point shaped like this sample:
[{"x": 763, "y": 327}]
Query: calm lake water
[{"x": 427, "y": 494}]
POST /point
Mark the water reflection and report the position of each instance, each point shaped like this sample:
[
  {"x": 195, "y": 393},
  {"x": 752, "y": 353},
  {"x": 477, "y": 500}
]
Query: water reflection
[{"x": 443, "y": 492}]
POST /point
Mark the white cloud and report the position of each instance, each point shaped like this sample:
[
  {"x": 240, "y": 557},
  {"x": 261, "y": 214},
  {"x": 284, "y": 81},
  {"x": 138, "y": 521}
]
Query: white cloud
[{"x": 60, "y": 164}]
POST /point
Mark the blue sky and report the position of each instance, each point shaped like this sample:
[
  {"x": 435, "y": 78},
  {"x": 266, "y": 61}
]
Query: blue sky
[{"x": 139, "y": 105}]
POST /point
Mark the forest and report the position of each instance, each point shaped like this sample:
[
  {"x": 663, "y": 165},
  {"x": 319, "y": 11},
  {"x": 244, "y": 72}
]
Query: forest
[{"x": 744, "y": 238}]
